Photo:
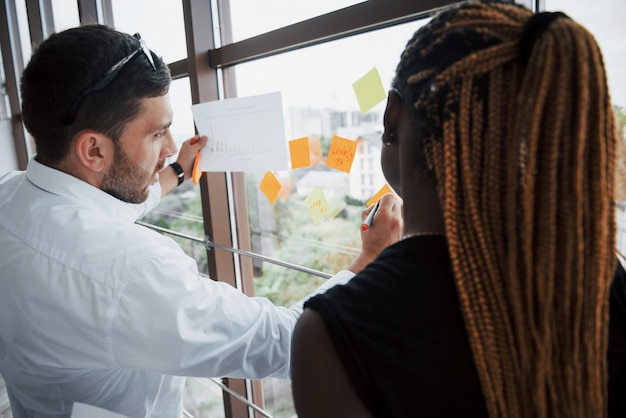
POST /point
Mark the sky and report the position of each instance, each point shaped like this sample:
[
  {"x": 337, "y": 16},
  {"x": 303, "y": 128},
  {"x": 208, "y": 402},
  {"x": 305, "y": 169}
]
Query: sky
[
  {"x": 605, "y": 19},
  {"x": 322, "y": 76}
]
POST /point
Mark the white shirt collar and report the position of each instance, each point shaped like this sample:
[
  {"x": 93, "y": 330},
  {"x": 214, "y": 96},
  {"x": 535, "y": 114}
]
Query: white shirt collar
[{"x": 72, "y": 188}]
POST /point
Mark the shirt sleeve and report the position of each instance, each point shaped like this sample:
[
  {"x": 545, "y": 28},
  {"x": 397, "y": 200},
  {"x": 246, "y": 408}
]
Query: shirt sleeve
[
  {"x": 342, "y": 277},
  {"x": 171, "y": 320}
]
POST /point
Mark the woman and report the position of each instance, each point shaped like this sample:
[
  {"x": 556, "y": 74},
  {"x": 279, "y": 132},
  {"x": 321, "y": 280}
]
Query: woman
[{"x": 499, "y": 136}]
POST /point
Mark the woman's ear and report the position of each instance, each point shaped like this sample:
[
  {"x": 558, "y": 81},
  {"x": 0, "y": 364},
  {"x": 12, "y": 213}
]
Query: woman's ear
[
  {"x": 391, "y": 116},
  {"x": 94, "y": 150}
]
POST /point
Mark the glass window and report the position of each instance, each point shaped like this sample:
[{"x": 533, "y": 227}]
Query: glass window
[
  {"x": 318, "y": 102},
  {"x": 25, "y": 42},
  {"x": 182, "y": 124},
  {"x": 253, "y": 17},
  {"x": 604, "y": 19},
  {"x": 203, "y": 399},
  {"x": 181, "y": 210},
  {"x": 160, "y": 23},
  {"x": 64, "y": 14},
  {"x": 4, "y": 95}
]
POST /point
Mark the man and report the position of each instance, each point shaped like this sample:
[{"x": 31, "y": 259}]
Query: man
[{"x": 95, "y": 308}]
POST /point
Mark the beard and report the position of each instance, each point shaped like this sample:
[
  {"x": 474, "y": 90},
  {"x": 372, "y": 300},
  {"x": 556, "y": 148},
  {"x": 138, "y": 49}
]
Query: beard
[{"x": 127, "y": 181}]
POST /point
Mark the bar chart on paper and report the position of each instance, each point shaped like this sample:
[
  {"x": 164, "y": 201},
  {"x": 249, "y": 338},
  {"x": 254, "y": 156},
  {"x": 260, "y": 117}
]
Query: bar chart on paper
[{"x": 245, "y": 134}]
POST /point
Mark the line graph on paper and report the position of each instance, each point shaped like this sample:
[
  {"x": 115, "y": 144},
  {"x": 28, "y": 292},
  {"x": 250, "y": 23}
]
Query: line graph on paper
[{"x": 245, "y": 134}]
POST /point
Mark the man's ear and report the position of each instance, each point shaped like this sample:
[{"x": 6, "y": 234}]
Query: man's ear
[{"x": 94, "y": 150}]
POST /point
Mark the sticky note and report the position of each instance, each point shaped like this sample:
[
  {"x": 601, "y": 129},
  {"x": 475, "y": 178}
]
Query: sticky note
[
  {"x": 285, "y": 190},
  {"x": 383, "y": 191},
  {"x": 300, "y": 153},
  {"x": 341, "y": 154},
  {"x": 315, "y": 149},
  {"x": 369, "y": 90},
  {"x": 317, "y": 204},
  {"x": 336, "y": 209},
  {"x": 196, "y": 173},
  {"x": 270, "y": 186}
]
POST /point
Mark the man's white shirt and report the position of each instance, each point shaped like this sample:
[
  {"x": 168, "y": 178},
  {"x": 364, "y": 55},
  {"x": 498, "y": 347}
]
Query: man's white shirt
[{"x": 100, "y": 310}]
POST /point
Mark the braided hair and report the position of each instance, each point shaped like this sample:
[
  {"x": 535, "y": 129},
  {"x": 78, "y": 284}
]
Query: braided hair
[{"x": 517, "y": 131}]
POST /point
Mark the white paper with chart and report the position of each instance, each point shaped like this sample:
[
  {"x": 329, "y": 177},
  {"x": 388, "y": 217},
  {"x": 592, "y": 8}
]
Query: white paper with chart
[{"x": 245, "y": 134}]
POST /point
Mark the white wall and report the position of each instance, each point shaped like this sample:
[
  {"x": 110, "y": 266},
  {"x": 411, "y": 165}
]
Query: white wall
[{"x": 8, "y": 157}]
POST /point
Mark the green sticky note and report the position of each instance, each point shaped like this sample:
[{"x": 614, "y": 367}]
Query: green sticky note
[
  {"x": 369, "y": 90},
  {"x": 317, "y": 204}
]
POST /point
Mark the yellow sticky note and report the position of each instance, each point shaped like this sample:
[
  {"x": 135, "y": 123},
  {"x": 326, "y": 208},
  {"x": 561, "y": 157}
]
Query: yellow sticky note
[
  {"x": 300, "y": 153},
  {"x": 196, "y": 173},
  {"x": 315, "y": 148},
  {"x": 270, "y": 186},
  {"x": 336, "y": 210},
  {"x": 369, "y": 90},
  {"x": 341, "y": 153},
  {"x": 383, "y": 191},
  {"x": 317, "y": 204}
]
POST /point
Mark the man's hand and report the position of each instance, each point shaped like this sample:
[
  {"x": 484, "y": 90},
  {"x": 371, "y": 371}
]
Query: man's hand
[
  {"x": 386, "y": 229},
  {"x": 186, "y": 157},
  {"x": 188, "y": 151}
]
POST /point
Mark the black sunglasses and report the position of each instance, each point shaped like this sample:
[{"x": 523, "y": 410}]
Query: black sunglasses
[{"x": 108, "y": 76}]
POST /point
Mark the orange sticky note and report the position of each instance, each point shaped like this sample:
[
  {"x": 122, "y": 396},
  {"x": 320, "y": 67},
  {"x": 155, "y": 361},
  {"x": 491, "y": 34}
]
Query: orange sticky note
[
  {"x": 369, "y": 90},
  {"x": 315, "y": 148},
  {"x": 270, "y": 186},
  {"x": 300, "y": 154},
  {"x": 383, "y": 191},
  {"x": 341, "y": 153},
  {"x": 195, "y": 173},
  {"x": 317, "y": 204},
  {"x": 285, "y": 190}
]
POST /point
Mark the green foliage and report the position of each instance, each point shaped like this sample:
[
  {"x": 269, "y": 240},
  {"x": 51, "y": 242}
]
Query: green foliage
[
  {"x": 620, "y": 121},
  {"x": 328, "y": 246},
  {"x": 325, "y": 144},
  {"x": 181, "y": 211},
  {"x": 354, "y": 202}
]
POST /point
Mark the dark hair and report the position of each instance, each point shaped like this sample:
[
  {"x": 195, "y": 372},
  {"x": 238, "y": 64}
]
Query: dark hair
[
  {"x": 68, "y": 63},
  {"x": 516, "y": 126}
]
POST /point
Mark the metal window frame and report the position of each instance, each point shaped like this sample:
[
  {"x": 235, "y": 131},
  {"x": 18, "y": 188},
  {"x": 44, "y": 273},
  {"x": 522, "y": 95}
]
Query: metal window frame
[
  {"x": 13, "y": 62},
  {"x": 353, "y": 20}
]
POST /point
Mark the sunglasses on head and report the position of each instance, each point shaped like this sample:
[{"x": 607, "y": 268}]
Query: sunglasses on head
[{"x": 108, "y": 76}]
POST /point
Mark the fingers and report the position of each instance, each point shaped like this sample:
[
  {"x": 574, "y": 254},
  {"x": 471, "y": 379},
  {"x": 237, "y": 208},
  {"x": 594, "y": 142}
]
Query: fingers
[
  {"x": 188, "y": 152},
  {"x": 201, "y": 140},
  {"x": 385, "y": 227},
  {"x": 390, "y": 204}
]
